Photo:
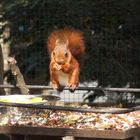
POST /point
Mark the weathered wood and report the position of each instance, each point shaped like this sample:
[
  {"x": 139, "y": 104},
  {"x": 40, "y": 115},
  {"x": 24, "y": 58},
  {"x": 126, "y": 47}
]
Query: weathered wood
[
  {"x": 68, "y": 138},
  {"x": 18, "y": 76},
  {"x": 2, "y": 92},
  {"x": 61, "y": 132}
]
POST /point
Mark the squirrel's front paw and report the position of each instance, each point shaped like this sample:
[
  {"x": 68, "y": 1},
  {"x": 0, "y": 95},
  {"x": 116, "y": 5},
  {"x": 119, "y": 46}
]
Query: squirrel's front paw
[
  {"x": 73, "y": 85},
  {"x": 55, "y": 86},
  {"x": 57, "y": 66}
]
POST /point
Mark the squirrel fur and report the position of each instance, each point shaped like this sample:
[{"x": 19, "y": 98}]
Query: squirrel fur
[{"x": 66, "y": 49}]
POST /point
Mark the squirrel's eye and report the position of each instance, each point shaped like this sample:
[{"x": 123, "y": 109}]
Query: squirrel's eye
[
  {"x": 53, "y": 53},
  {"x": 66, "y": 54}
]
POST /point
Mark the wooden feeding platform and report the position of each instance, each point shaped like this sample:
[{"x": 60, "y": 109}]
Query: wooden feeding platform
[
  {"x": 31, "y": 131},
  {"x": 35, "y": 133}
]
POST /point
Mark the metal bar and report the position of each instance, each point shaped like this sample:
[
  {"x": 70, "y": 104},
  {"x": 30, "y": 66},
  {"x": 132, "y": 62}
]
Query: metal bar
[
  {"x": 136, "y": 90},
  {"x": 65, "y": 108}
]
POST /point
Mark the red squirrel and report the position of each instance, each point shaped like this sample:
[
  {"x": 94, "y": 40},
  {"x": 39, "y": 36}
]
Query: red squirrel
[{"x": 66, "y": 48}]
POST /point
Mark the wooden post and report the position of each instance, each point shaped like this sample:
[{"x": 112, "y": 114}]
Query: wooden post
[{"x": 68, "y": 138}]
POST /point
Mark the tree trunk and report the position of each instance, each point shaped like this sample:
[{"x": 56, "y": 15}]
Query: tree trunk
[
  {"x": 4, "y": 52},
  {"x": 1, "y": 72}
]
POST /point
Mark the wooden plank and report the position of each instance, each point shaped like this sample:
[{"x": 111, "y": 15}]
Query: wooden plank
[
  {"x": 134, "y": 132},
  {"x": 87, "y": 133}
]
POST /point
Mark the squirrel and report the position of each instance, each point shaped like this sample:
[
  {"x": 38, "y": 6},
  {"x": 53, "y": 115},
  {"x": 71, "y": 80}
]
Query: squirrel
[{"x": 66, "y": 49}]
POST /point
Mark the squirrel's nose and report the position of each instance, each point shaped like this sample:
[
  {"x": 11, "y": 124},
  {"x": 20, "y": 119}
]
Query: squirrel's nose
[{"x": 60, "y": 62}]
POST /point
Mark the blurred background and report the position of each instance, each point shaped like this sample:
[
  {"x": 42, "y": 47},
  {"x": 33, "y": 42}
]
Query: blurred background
[{"x": 112, "y": 36}]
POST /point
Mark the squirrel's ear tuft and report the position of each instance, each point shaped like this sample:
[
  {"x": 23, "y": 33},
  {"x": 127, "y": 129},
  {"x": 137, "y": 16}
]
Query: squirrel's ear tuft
[
  {"x": 60, "y": 42},
  {"x": 57, "y": 42}
]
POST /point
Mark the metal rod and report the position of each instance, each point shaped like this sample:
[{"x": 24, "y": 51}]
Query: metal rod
[
  {"x": 137, "y": 90},
  {"x": 65, "y": 108}
]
